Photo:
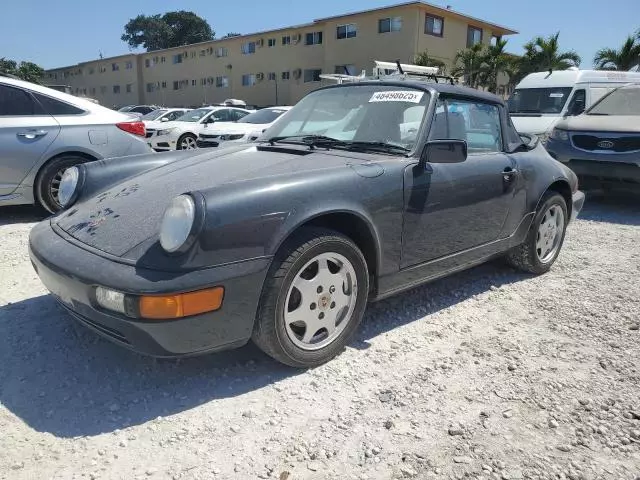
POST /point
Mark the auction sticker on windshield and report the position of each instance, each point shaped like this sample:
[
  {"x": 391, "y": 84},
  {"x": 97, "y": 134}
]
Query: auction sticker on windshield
[{"x": 397, "y": 96}]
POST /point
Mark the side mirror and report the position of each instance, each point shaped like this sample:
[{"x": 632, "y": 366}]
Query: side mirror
[
  {"x": 164, "y": 119},
  {"x": 444, "y": 151}
]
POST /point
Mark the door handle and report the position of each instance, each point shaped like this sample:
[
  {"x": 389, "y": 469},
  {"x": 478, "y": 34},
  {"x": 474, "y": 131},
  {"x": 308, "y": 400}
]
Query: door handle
[
  {"x": 32, "y": 134},
  {"x": 509, "y": 174}
]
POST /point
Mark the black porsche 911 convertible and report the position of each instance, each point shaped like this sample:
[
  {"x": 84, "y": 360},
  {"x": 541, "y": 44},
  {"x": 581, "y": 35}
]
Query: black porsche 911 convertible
[{"x": 361, "y": 191}]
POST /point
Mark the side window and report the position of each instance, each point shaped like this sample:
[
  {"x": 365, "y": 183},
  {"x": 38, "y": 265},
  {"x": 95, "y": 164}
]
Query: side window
[
  {"x": 578, "y": 102},
  {"x": 238, "y": 114},
  {"x": 16, "y": 102},
  {"x": 56, "y": 107},
  {"x": 222, "y": 116},
  {"x": 475, "y": 122}
]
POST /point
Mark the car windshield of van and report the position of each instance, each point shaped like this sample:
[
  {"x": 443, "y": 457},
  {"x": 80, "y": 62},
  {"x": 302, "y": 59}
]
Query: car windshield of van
[
  {"x": 538, "y": 100},
  {"x": 623, "y": 101},
  {"x": 153, "y": 115},
  {"x": 376, "y": 117},
  {"x": 194, "y": 115},
  {"x": 262, "y": 116}
]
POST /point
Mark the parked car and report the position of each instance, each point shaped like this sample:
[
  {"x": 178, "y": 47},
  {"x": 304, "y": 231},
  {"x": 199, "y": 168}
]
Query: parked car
[
  {"x": 138, "y": 109},
  {"x": 183, "y": 132},
  {"x": 43, "y": 132},
  {"x": 157, "y": 119},
  {"x": 247, "y": 129},
  {"x": 542, "y": 99},
  {"x": 603, "y": 145},
  {"x": 286, "y": 242}
]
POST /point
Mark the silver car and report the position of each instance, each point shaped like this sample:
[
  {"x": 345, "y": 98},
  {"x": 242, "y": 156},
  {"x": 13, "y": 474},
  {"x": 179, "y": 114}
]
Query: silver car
[{"x": 43, "y": 132}]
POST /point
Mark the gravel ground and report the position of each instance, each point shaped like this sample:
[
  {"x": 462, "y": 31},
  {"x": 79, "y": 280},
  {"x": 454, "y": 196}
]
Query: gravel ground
[{"x": 487, "y": 374}]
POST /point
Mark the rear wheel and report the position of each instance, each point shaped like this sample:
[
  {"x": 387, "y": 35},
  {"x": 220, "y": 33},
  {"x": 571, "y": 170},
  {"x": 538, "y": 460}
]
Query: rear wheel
[
  {"x": 187, "y": 142},
  {"x": 545, "y": 238},
  {"x": 313, "y": 300},
  {"x": 48, "y": 180}
]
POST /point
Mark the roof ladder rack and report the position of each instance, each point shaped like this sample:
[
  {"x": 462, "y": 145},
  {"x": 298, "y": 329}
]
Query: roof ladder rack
[{"x": 392, "y": 71}]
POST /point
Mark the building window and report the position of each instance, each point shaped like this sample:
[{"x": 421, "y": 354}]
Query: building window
[
  {"x": 177, "y": 59},
  {"x": 151, "y": 87},
  {"x": 128, "y": 65},
  {"x": 392, "y": 24},
  {"x": 180, "y": 84},
  {"x": 271, "y": 42},
  {"x": 346, "y": 31},
  {"x": 93, "y": 91},
  {"x": 248, "y": 48},
  {"x": 103, "y": 89},
  {"x": 222, "y": 82},
  {"x": 286, "y": 75},
  {"x": 147, "y": 62},
  {"x": 314, "y": 38},
  {"x": 129, "y": 87},
  {"x": 115, "y": 67},
  {"x": 203, "y": 53},
  {"x": 474, "y": 36},
  {"x": 346, "y": 69},
  {"x": 286, "y": 40},
  {"x": 193, "y": 54},
  {"x": 271, "y": 77},
  {"x": 194, "y": 83},
  {"x": 221, "y": 52},
  {"x": 163, "y": 59},
  {"x": 434, "y": 25},
  {"x": 312, "y": 75},
  {"x": 116, "y": 89},
  {"x": 103, "y": 69},
  {"x": 92, "y": 70},
  {"x": 248, "y": 80},
  {"x": 164, "y": 84}
]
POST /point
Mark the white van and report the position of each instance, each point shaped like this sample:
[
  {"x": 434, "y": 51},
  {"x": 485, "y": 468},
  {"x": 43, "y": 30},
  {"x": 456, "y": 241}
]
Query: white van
[{"x": 541, "y": 99}]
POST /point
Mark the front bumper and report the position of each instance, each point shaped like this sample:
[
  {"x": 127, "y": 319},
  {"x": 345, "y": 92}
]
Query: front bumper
[
  {"x": 595, "y": 169},
  {"x": 577, "y": 199},
  {"x": 71, "y": 274}
]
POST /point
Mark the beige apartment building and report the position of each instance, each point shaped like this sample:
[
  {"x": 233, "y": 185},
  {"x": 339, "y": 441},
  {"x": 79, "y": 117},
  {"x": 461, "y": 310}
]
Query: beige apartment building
[{"x": 277, "y": 67}]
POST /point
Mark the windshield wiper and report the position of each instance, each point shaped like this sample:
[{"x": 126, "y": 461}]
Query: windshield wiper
[{"x": 330, "y": 142}]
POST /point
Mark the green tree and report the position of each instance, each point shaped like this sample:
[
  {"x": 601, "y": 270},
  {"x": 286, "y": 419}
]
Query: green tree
[
  {"x": 8, "y": 66},
  {"x": 624, "y": 58},
  {"x": 173, "y": 29},
  {"x": 423, "y": 59},
  {"x": 24, "y": 70},
  {"x": 468, "y": 63},
  {"x": 544, "y": 54},
  {"x": 495, "y": 62}
]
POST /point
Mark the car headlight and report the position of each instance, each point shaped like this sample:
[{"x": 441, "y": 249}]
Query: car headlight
[
  {"x": 232, "y": 137},
  {"x": 69, "y": 186},
  {"x": 180, "y": 224},
  {"x": 559, "y": 134},
  {"x": 166, "y": 131}
]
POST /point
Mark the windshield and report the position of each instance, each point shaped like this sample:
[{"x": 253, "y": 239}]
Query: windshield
[
  {"x": 194, "y": 115},
  {"x": 153, "y": 115},
  {"x": 539, "y": 100},
  {"x": 623, "y": 101},
  {"x": 262, "y": 116},
  {"x": 358, "y": 113},
  {"x": 126, "y": 109}
]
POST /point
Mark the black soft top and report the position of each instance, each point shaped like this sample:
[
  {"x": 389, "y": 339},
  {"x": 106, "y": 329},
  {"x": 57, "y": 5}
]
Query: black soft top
[{"x": 430, "y": 87}]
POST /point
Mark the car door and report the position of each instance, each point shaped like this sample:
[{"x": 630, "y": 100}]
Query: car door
[
  {"x": 26, "y": 132},
  {"x": 452, "y": 207}
]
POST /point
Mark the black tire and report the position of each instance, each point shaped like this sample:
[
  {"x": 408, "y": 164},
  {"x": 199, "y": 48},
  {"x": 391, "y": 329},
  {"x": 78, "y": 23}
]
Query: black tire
[
  {"x": 269, "y": 332},
  {"x": 525, "y": 257},
  {"x": 48, "y": 176},
  {"x": 180, "y": 140}
]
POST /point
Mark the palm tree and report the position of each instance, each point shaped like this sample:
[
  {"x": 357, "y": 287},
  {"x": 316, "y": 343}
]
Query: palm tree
[
  {"x": 495, "y": 62},
  {"x": 624, "y": 58},
  {"x": 544, "y": 54},
  {"x": 468, "y": 64},
  {"x": 425, "y": 60}
]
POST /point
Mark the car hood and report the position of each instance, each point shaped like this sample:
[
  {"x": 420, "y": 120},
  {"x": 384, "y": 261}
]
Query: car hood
[
  {"x": 157, "y": 125},
  {"x": 125, "y": 215},
  {"x": 534, "y": 125},
  {"x": 226, "y": 128},
  {"x": 601, "y": 123}
]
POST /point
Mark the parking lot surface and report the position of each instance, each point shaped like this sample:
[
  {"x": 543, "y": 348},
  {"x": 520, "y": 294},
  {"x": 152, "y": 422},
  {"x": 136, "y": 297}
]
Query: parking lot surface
[{"x": 487, "y": 374}]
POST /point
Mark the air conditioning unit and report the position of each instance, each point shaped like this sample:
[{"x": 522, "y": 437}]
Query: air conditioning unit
[
  {"x": 260, "y": 76},
  {"x": 296, "y": 38},
  {"x": 297, "y": 73}
]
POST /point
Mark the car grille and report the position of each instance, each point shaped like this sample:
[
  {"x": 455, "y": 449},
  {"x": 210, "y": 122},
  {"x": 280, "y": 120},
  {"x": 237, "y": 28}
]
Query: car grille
[
  {"x": 621, "y": 144},
  {"x": 150, "y": 133}
]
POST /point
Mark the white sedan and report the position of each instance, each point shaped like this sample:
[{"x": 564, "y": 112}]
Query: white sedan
[
  {"x": 245, "y": 130},
  {"x": 181, "y": 134},
  {"x": 156, "y": 120}
]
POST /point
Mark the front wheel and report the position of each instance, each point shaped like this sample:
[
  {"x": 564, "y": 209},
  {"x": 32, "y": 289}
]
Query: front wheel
[
  {"x": 49, "y": 178},
  {"x": 313, "y": 299},
  {"x": 545, "y": 238},
  {"x": 187, "y": 142}
]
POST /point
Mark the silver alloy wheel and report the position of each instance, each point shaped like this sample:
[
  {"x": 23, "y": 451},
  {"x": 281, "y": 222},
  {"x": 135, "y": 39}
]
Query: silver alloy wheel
[
  {"x": 188, "y": 143},
  {"x": 320, "y": 301},
  {"x": 54, "y": 186},
  {"x": 550, "y": 234}
]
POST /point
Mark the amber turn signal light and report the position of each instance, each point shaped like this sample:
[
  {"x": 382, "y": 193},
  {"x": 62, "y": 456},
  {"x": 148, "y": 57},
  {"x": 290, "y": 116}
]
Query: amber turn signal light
[{"x": 167, "y": 307}]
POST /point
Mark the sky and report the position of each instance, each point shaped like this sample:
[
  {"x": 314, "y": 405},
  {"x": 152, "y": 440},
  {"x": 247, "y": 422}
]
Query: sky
[{"x": 62, "y": 33}]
